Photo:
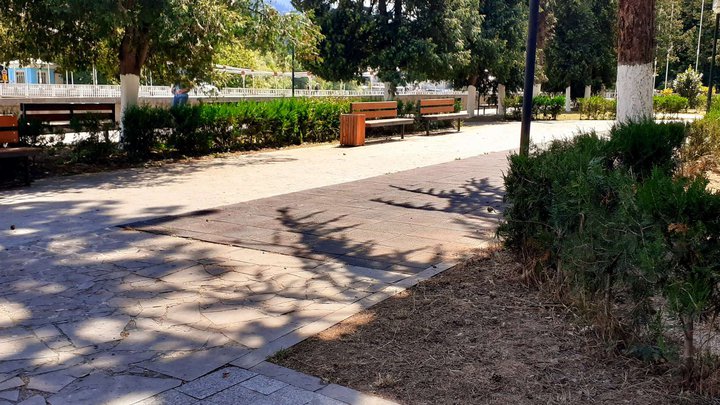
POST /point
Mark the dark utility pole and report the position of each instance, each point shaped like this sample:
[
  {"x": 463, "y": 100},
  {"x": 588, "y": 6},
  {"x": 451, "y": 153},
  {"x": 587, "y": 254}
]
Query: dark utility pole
[
  {"x": 529, "y": 77},
  {"x": 711, "y": 81}
]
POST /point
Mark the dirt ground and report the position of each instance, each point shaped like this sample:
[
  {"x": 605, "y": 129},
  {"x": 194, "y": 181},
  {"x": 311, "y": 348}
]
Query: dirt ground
[{"x": 475, "y": 335}]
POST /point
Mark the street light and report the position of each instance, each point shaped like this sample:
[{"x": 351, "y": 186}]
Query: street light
[{"x": 716, "y": 10}]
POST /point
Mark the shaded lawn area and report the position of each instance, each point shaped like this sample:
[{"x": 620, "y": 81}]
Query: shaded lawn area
[{"x": 475, "y": 335}]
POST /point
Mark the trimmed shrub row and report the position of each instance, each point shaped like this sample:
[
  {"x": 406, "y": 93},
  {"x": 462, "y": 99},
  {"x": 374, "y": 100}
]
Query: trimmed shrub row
[
  {"x": 597, "y": 108},
  {"x": 670, "y": 104},
  {"x": 205, "y": 128},
  {"x": 546, "y": 106},
  {"x": 609, "y": 221}
]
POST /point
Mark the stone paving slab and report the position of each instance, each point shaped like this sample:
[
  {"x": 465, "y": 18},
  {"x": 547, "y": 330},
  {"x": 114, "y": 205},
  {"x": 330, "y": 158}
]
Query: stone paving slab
[
  {"x": 431, "y": 215},
  {"x": 155, "y": 318}
]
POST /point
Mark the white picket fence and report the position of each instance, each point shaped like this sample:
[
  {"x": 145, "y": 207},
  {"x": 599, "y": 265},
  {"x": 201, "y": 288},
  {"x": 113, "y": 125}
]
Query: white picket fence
[{"x": 104, "y": 91}]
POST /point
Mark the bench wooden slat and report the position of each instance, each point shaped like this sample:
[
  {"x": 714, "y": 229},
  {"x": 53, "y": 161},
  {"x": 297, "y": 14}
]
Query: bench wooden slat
[
  {"x": 437, "y": 110},
  {"x": 68, "y": 107},
  {"x": 9, "y": 129},
  {"x": 68, "y": 117},
  {"x": 375, "y": 105},
  {"x": 433, "y": 102},
  {"x": 378, "y": 114}
]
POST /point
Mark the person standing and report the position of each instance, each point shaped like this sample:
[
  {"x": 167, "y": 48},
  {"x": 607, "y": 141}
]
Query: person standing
[{"x": 180, "y": 92}]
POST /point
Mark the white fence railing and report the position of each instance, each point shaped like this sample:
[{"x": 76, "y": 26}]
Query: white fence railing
[{"x": 103, "y": 91}]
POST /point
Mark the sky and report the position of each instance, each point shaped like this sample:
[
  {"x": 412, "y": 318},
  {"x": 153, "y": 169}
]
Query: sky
[{"x": 282, "y": 6}]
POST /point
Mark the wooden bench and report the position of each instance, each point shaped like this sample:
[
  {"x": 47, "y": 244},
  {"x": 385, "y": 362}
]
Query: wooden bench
[
  {"x": 440, "y": 109},
  {"x": 10, "y": 135},
  {"x": 61, "y": 115},
  {"x": 381, "y": 114}
]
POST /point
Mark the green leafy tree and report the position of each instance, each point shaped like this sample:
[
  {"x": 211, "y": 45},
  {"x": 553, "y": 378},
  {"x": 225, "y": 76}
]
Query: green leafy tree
[
  {"x": 402, "y": 40},
  {"x": 498, "y": 50},
  {"x": 173, "y": 37},
  {"x": 582, "y": 50}
]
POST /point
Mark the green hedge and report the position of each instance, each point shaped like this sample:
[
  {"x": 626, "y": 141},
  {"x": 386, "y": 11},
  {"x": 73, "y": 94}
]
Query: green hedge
[
  {"x": 547, "y": 107},
  {"x": 597, "y": 108},
  {"x": 610, "y": 222},
  {"x": 205, "y": 128},
  {"x": 670, "y": 104}
]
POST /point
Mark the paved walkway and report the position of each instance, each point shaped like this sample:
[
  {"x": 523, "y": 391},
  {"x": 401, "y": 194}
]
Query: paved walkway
[{"x": 186, "y": 309}]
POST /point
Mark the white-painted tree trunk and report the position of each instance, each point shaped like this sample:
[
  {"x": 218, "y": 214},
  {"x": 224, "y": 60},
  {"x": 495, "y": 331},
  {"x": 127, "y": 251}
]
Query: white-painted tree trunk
[
  {"x": 537, "y": 89},
  {"x": 129, "y": 91},
  {"x": 568, "y": 99},
  {"x": 501, "y": 100},
  {"x": 388, "y": 94},
  {"x": 588, "y": 91},
  {"x": 471, "y": 101},
  {"x": 635, "y": 92}
]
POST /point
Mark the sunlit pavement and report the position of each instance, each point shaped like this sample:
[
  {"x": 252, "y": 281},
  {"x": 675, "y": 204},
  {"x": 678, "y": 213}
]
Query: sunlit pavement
[{"x": 186, "y": 309}]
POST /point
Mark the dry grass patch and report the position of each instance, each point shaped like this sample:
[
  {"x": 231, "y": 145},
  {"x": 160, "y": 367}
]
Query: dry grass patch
[{"x": 474, "y": 334}]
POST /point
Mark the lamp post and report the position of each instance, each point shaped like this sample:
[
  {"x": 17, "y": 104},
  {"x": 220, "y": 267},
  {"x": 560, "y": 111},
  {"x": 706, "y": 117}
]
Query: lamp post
[
  {"x": 530, "y": 77},
  {"x": 711, "y": 81}
]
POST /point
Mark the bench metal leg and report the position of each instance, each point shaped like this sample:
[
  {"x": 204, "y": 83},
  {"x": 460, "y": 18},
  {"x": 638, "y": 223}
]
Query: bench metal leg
[
  {"x": 402, "y": 132},
  {"x": 27, "y": 171},
  {"x": 459, "y": 125},
  {"x": 427, "y": 128}
]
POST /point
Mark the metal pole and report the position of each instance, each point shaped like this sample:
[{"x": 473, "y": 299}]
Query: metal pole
[
  {"x": 292, "y": 51},
  {"x": 712, "y": 63},
  {"x": 667, "y": 64},
  {"x": 697, "y": 54},
  {"x": 529, "y": 77}
]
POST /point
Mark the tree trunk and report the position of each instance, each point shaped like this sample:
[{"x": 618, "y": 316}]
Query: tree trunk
[
  {"x": 588, "y": 91},
  {"x": 568, "y": 99},
  {"x": 398, "y": 12},
  {"x": 134, "y": 50},
  {"x": 636, "y": 45},
  {"x": 382, "y": 7},
  {"x": 501, "y": 100},
  {"x": 472, "y": 100}
]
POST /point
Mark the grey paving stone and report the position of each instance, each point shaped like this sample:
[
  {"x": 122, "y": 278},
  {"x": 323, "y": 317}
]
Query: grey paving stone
[
  {"x": 188, "y": 366},
  {"x": 34, "y": 400},
  {"x": 172, "y": 397},
  {"x": 235, "y": 395},
  {"x": 45, "y": 332},
  {"x": 287, "y": 396},
  {"x": 11, "y": 383},
  {"x": 323, "y": 400},
  {"x": 111, "y": 390},
  {"x": 95, "y": 330},
  {"x": 263, "y": 385},
  {"x": 352, "y": 396},
  {"x": 50, "y": 382},
  {"x": 292, "y": 377},
  {"x": 215, "y": 382},
  {"x": 25, "y": 348},
  {"x": 10, "y": 395}
]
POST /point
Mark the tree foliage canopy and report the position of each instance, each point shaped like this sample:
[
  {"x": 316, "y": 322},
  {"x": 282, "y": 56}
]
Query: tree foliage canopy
[{"x": 123, "y": 36}]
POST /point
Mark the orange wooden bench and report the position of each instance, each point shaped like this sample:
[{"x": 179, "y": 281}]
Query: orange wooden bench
[
  {"x": 440, "y": 109},
  {"x": 9, "y": 136},
  {"x": 381, "y": 114}
]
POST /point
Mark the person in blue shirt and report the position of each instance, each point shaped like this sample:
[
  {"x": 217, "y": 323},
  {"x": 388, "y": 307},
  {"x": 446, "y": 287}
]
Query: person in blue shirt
[{"x": 180, "y": 94}]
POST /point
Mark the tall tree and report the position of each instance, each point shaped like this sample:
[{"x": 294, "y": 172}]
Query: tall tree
[
  {"x": 185, "y": 33},
  {"x": 636, "y": 46},
  {"x": 497, "y": 51},
  {"x": 403, "y": 40},
  {"x": 582, "y": 50}
]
